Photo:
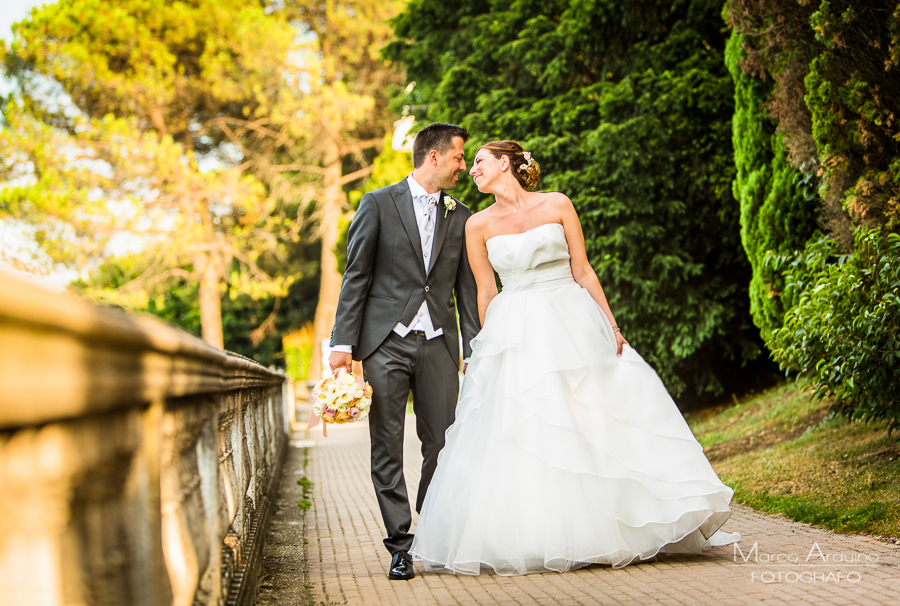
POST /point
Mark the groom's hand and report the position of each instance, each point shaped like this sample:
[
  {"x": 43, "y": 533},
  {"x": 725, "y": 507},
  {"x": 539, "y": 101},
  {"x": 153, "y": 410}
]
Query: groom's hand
[{"x": 338, "y": 359}]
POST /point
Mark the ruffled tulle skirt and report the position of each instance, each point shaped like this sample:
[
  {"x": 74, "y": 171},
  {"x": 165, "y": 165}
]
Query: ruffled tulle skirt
[{"x": 562, "y": 454}]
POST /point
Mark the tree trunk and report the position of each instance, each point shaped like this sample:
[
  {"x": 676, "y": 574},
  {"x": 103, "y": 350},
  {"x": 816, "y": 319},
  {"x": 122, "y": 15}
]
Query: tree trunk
[
  {"x": 208, "y": 268},
  {"x": 332, "y": 209}
]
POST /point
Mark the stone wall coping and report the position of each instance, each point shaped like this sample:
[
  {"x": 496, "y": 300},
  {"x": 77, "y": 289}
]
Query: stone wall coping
[{"x": 62, "y": 356}]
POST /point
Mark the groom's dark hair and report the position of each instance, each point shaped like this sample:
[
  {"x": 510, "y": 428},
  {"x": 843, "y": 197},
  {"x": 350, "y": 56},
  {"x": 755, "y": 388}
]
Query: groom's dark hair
[{"x": 438, "y": 137}]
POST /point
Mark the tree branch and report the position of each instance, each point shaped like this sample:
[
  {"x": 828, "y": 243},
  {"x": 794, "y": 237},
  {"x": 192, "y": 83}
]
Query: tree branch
[
  {"x": 332, "y": 132},
  {"x": 299, "y": 167},
  {"x": 361, "y": 145},
  {"x": 256, "y": 126},
  {"x": 356, "y": 175},
  {"x": 267, "y": 327}
]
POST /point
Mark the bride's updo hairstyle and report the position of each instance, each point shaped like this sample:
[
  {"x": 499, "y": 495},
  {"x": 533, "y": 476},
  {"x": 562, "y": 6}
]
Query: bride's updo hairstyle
[{"x": 524, "y": 167}]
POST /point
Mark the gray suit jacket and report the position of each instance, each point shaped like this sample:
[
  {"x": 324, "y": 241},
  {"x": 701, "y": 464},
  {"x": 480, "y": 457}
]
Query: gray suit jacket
[{"x": 386, "y": 279}]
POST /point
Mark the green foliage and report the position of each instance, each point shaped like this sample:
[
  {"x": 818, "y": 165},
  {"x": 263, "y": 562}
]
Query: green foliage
[
  {"x": 834, "y": 92},
  {"x": 252, "y": 327},
  {"x": 306, "y": 488},
  {"x": 388, "y": 167},
  {"x": 627, "y": 106},
  {"x": 843, "y": 331},
  {"x": 852, "y": 91},
  {"x": 296, "y": 362},
  {"x": 298, "y": 352},
  {"x": 778, "y": 202},
  {"x": 833, "y": 65},
  {"x": 332, "y": 135},
  {"x": 242, "y": 315},
  {"x": 117, "y": 108}
]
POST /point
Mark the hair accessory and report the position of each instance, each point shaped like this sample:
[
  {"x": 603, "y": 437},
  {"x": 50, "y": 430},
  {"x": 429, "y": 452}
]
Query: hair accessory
[{"x": 529, "y": 162}]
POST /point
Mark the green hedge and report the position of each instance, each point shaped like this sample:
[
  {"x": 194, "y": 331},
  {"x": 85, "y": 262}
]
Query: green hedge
[
  {"x": 843, "y": 333},
  {"x": 778, "y": 202}
]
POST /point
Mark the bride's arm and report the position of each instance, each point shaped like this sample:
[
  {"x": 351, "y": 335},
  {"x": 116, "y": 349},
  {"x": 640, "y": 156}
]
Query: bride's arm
[
  {"x": 476, "y": 248},
  {"x": 581, "y": 268}
]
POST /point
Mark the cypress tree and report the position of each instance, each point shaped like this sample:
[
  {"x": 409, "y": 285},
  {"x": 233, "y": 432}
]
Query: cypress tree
[{"x": 778, "y": 202}]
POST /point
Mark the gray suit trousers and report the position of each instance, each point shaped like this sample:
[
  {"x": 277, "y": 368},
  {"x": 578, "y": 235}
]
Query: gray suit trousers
[{"x": 398, "y": 365}]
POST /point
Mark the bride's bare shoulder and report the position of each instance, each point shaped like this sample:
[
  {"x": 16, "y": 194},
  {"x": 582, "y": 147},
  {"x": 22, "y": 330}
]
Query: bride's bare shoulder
[
  {"x": 477, "y": 224},
  {"x": 555, "y": 199},
  {"x": 555, "y": 203}
]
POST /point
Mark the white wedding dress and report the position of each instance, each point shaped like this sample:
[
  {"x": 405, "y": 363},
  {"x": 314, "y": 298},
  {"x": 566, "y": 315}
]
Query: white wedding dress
[{"x": 562, "y": 454}]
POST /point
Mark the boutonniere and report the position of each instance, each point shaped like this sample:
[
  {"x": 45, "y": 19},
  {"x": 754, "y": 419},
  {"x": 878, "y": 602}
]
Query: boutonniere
[{"x": 449, "y": 204}]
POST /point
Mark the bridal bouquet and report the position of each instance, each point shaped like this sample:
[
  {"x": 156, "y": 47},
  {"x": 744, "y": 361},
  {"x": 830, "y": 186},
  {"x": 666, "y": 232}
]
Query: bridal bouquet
[{"x": 339, "y": 397}]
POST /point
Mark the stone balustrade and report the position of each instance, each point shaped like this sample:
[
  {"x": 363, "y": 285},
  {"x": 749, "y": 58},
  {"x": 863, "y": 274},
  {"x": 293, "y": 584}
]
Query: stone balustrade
[{"x": 137, "y": 464}]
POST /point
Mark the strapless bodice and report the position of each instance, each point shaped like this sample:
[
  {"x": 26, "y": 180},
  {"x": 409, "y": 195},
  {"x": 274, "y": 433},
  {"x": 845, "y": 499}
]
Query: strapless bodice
[{"x": 537, "y": 259}]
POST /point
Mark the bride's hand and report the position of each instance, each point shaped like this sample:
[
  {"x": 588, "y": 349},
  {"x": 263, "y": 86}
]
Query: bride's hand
[{"x": 620, "y": 342}]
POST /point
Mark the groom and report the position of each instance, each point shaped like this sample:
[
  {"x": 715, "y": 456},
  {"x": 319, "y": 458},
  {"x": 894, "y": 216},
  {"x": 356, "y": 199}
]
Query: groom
[{"x": 406, "y": 258}]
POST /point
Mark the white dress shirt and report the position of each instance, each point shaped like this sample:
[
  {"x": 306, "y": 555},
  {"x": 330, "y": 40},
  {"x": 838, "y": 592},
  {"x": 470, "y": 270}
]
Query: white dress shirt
[{"x": 422, "y": 320}]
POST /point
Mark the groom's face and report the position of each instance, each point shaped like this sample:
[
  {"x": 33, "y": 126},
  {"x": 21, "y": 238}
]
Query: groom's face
[{"x": 450, "y": 165}]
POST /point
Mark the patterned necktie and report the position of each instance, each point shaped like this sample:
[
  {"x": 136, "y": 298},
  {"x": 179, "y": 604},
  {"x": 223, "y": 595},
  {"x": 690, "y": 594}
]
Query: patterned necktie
[{"x": 430, "y": 203}]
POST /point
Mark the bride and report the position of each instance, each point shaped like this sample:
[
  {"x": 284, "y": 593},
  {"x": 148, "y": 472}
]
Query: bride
[{"x": 566, "y": 450}]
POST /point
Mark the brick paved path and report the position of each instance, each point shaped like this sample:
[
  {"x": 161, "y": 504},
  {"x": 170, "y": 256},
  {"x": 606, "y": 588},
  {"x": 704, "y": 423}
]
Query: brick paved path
[{"x": 347, "y": 563}]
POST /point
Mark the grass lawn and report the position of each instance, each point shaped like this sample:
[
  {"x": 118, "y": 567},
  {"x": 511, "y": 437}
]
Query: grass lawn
[{"x": 783, "y": 453}]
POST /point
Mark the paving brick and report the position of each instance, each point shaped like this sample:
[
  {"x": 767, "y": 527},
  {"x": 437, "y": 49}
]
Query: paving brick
[{"x": 347, "y": 562}]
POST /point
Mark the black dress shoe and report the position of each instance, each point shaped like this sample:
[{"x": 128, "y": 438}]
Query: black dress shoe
[{"x": 401, "y": 567}]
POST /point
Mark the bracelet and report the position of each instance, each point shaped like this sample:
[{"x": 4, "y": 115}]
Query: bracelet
[{"x": 616, "y": 329}]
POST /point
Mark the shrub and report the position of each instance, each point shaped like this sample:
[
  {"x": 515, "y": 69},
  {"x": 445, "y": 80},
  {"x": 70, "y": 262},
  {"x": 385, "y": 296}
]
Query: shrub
[{"x": 843, "y": 330}]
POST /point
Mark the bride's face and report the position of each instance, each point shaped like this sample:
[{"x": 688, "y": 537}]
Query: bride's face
[{"x": 487, "y": 170}]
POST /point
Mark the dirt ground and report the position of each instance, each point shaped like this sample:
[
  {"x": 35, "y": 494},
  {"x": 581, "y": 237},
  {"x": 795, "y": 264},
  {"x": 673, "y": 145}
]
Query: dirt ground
[{"x": 282, "y": 572}]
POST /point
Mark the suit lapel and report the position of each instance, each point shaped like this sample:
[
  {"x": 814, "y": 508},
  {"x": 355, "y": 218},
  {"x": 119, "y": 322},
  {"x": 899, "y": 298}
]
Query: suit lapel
[
  {"x": 440, "y": 229},
  {"x": 404, "y": 203}
]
